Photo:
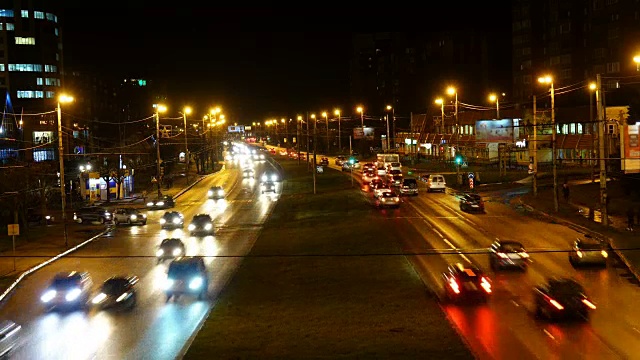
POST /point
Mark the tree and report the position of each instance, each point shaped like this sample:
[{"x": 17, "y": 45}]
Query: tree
[{"x": 108, "y": 171}]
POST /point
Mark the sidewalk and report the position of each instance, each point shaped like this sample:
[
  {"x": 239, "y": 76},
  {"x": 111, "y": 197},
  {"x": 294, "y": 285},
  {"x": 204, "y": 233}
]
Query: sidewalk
[{"x": 582, "y": 212}]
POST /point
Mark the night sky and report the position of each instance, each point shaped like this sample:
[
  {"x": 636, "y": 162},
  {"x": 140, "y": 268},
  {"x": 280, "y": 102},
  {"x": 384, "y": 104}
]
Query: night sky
[{"x": 254, "y": 62}]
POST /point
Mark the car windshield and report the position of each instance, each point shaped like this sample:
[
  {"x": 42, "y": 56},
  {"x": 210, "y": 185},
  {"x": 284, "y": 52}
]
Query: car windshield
[
  {"x": 115, "y": 286},
  {"x": 395, "y": 164},
  {"x": 469, "y": 274},
  {"x": 388, "y": 194},
  {"x": 590, "y": 246},
  {"x": 181, "y": 269},
  {"x": 171, "y": 243},
  {"x": 66, "y": 282},
  {"x": 512, "y": 247},
  {"x": 202, "y": 218},
  {"x": 565, "y": 288}
]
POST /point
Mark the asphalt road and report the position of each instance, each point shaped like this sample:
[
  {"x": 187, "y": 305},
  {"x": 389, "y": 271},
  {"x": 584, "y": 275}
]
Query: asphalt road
[
  {"x": 505, "y": 327},
  {"x": 155, "y": 329}
]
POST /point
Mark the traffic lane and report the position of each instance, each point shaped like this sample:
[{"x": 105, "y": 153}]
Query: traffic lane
[
  {"x": 151, "y": 298},
  {"x": 517, "y": 287},
  {"x": 486, "y": 330},
  {"x": 617, "y": 319}
]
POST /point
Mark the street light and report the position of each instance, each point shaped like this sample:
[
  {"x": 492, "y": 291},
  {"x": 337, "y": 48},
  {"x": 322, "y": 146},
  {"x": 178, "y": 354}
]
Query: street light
[
  {"x": 636, "y": 59},
  {"x": 452, "y": 91},
  {"x": 594, "y": 129},
  {"x": 159, "y": 109},
  {"x": 389, "y": 107},
  {"x": 547, "y": 79},
  {"x": 63, "y": 195},
  {"x": 494, "y": 98},
  {"x": 337, "y": 113},
  {"x": 440, "y": 102},
  {"x": 298, "y": 136},
  {"x": 326, "y": 119},
  {"x": 186, "y": 111},
  {"x": 360, "y": 110}
]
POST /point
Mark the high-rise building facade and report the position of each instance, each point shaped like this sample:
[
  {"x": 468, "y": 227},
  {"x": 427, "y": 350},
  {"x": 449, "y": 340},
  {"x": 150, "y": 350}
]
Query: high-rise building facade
[{"x": 574, "y": 40}]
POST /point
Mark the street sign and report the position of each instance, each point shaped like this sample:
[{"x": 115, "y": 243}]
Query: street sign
[
  {"x": 470, "y": 183},
  {"x": 154, "y": 180},
  {"x": 14, "y": 229}
]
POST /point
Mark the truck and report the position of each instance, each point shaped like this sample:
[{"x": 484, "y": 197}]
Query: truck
[{"x": 383, "y": 159}]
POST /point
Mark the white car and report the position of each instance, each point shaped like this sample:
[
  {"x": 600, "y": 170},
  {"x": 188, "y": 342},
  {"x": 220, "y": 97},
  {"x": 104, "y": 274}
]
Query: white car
[
  {"x": 394, "y": 166},
  {"x": 367, "y": 176},
  {"x": 378, "y": 192},
  {"x": 129, "y": 217},
  {"x": 436, "y": 183}
]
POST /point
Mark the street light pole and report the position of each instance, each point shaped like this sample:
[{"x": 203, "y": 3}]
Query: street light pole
[
  {"x": 315, "y": 148},
  {"x": 453, "y": 91},
  {"x": 535, "y": 149},
  {"x": 389, "y": 107},
  {"x": 549, "y": 80},
  {"x": 63, "y": 193},
  {"x": 337, "y": 112},
  {"x": 299, "y": 120},
  {"x": 186, "y": 111},
  {"x": 159, "y": 109},
  {"x": 326, "y": 119},
  {"x": 601, "y": 156}
]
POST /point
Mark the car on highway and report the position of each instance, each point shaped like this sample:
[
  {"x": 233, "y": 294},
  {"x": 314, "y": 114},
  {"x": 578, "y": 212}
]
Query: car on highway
[
  {"x": 388, "y": 199},
  {"x": 117, "y": 292},
  {"x": 367, "y": 176},
  {"x": 381, "y": 171},
  {"x": 471, "y": 203},
  {"x": 346, "y": 166},
  {"x": 588, "y": 251},
  {"x": 340, "y": 160},
  {"x": 187, "y": 276},
  {"x": 201, "y": 224},
  {"x": 248, "y": 174},
  {"x": 10, "y": 337},
  {"x": 170, "y": 249},
  {"x": 369, "y": 167},
  {"x": 272, "y": 151},
  {"x": 68, "y": 290},
  {"x": 409, "y": 186},
  {"x": 436, "y": 183},
  {"x": 324, "y": 161},
  {"x": 424, "y": 178},
  {"x": 393, "y": 172},
  {"x": 89, "y": 214},
  {"x": 216, "y": 192},
  {"x": 163, "y": 202},
  {"x": 395, "y": 180},
  {"x": 562, "y": 298},
  {"x": 129, "y": 216},
  {"x": 172, "y": 220},
  {"x": 466, "y": 282},
  {"x": 394, "y": 166},
  {"x": 267, "y": 187},
  {"x": 377, "y": 183},
  {"x": 508, "y": 254},
  {"x": 379, "y": 190}
]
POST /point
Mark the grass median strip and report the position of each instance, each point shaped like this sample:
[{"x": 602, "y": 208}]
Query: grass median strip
[{"x": 300, "y": 307}]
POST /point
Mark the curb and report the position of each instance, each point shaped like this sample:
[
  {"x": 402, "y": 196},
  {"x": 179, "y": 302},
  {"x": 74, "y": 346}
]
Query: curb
[
  {"x": 188, "y": 187},
  {"x": 570, "y": 224},
  {"x": 28, "y": 272}
]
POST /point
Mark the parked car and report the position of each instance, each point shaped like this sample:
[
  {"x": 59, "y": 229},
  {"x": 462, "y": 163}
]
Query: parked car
[
  {"x": 92, "y": 214},
  {"x": 164, "y": 202},
  {"x": 187, "y": 276},
  {"x": 129, "y": 216}
]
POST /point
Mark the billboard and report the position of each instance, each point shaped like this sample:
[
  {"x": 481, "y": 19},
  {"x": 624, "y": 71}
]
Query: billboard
[
  {"x": 366, "y": 133},
  {"x": 494, "y": 130},
  {"x": 631, "y": 143},
  {"x": 236, "y": 129}
]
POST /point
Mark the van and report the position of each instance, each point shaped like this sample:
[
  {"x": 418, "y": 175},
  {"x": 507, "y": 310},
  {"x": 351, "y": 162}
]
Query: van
[
  {"x": 436, "y": 183},
  {"x": 409, "y": 186}
]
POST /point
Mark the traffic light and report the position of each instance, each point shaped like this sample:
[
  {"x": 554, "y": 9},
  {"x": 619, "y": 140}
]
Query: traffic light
[
  {"x": 352, "y": 161},
  {"x": 458, "y": 159}
]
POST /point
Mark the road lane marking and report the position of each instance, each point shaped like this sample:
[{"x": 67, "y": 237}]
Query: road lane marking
[
  {"x": 549, "y": 334},
  {"x": 437, "y": 232},
  {"x": 635, "y": 329},
  {"x": 515, "y": 303},
  {"x": 456, "y": 249}
]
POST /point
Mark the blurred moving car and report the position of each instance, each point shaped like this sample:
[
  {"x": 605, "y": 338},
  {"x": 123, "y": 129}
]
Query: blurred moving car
[
  {"x": 92, "y": 214},
  {"x": 129, "y": 216},
  {"x": 388, "y": 199},
  {"x": 508, "y": 254},
  {"x": 216, "y": 192},
  {"x": 201, "y": 224},
  {"x": 172, "y": 220},
  {"x": 588, "y": 251},
  {"x": 562, "y": 298},
  {"x": 118, "y": 292},
  {"x": 471, "y": 203},
  {"x": 68, "y": 290},
  {"x": 164, "y": 202},
  {"x": 9, "y": 337},
  {"x": 187, "y": 276},
  {"x": 466, "y": 282},
  {"x": 169, "y": 249}
]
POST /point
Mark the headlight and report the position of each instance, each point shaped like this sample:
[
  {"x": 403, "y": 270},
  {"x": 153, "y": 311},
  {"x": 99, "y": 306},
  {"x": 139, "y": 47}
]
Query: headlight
[
  {"x": 208, "y": 227},
  {"x": 604, "y": 254},
  {"x": 48, "y": 296},
  {"x": 261, "y": 157},
  {"x": 75, "y": 217},
  {"x": 176, "y": 220},
  {"x": 144, "y": 216},
  {"x": 177, "y": 251},
  {"x": 99, "y": 298},
  {"x": 264, "y": 178},
  {"x": 150, "y": 203},
  {"x": 73, "y": 294},
  {"x": 122, "y": 297},
  {"x": 107, "y": 214},
  {"x": 209, "y": 193},
  {"x": 195, "y": 283},
  {"x": 220, "y": 192},
  {"x": 168, "y": 283},
  {"x": 160, "y": 203},
  {"x": 134, "y": 217},
  {"x": 191, "y": 227},
  {"x": 159, "y": 253},
  {"x": 163, "y": 221},
  {"x": 47, "y": 217},
  {"x": 274, "y": 177}
]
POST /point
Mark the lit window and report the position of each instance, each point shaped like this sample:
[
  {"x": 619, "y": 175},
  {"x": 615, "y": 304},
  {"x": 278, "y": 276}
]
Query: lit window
[
  {"x": 26, "y": 94},
  {"x": 50, "y": 68},
  {"x": 38, "y": 14},
  {"x": 52, "y": 82},
  {"x": 1, "y": 26},
  {"x": 10, "y": 27},
  {"x": 25, "y": 67},
  {"x": 52, "y": 17},
  {"x": 38, "y": 81},
  {"x": 56, "y": 31},
  {"x": 43, "y": 155},
  {"x": 58, "y": 82},
  {"x": 1, "y": 67},
  {"x": 38, "y": 94},
  {"x": 25, "y": 40},
  {"x": 6, "y": 13},
  {"x": 50, "y": 94},
  {"x": 24, "y": 13},
  {"x": 57, "y": 57}
]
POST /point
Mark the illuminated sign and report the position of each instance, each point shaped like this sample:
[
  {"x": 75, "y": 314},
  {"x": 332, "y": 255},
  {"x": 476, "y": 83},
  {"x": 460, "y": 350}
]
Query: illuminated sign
[{"x": 521, "y": 143}]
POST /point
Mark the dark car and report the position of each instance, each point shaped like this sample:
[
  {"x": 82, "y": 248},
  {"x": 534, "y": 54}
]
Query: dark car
[
  {"x": 471, "y": 203},
  {"x": 396, "y": 180},
  {"x": 187, "y": 276},
  {"x": 424, "y": 177},
  {"x": 68, "y": 290},
  {"x": 163, "y": 202},
  {"x": 562, "y": 298},
  {"x": 92, "y": 214},
  {"x": 588, "y": 251},
  {"x": 216, "y": 193},
  {"x": 129, "y": 216},
  {"x": 172, "y": 220},
  {"x": 170, "y": 248},
  {"x": 324, "y": 161},
  {"x": 340, "y": 160},
  {"x": 388, "y": 199},
  {"x": 376, "y": 184},
  {"x": 118, "y": 292},
  {"x": 466, "y": 282},
  {"x": 508, "y": 254},
  {"x": 201, "y": 224}
]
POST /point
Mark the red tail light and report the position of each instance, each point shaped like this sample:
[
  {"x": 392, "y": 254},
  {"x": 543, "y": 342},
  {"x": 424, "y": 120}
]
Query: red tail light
[{"x": 553, "y": 302}]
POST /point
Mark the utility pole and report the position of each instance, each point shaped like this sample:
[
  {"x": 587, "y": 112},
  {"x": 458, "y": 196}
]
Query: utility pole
[
  {"x": 554, "y": 148},
  {"x": 603, "y": 164},
  {"x": 313, "y": 116},
  {"x": 186, "y": 146},
  {"x": 63, "y": 194},
  {"x": 458, "y": 176},
  {"x": 350, "y": 165},
  {"x": 298, "y": 136},
  {"x": 158, "y": 151},
  {"x": 535, "y": 149},
  {"x": 315, "y": 148}
]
